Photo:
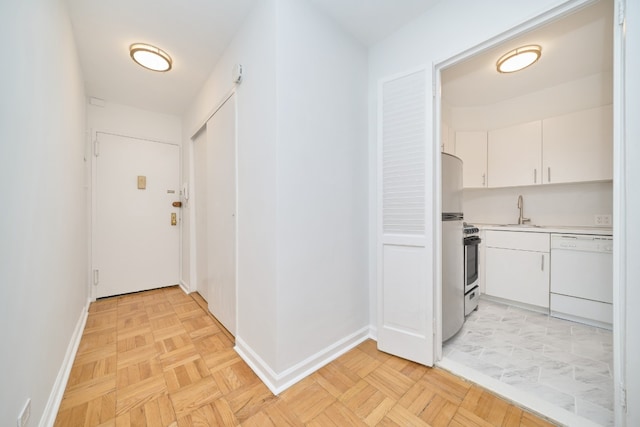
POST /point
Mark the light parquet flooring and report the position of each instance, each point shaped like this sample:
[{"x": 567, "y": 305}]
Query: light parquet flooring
[{"x": 158, "y": 358}]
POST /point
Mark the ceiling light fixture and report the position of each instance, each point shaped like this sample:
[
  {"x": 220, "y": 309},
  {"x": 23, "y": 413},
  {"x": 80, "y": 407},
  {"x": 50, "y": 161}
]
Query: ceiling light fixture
[
  {"x": 519, "y": 58},
  {"x": 150, "y": 57}
]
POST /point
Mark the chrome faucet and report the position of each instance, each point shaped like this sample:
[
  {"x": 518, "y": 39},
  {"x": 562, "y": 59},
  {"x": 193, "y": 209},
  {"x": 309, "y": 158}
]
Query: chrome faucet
[{"x": 521, "y": 219}]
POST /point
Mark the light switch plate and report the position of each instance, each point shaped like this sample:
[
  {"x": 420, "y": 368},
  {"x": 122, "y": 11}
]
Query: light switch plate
[{"x": 142, "y": 182}]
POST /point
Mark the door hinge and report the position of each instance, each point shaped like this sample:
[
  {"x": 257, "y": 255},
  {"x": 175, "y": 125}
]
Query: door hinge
[
  {"x": 621, "y": 13},
  {"x": 96, "y": 148},
  {"x": 96, "y": 277}
]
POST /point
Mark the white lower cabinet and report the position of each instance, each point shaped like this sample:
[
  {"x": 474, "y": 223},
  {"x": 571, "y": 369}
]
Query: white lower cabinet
[{"x": 517, "y": 266}]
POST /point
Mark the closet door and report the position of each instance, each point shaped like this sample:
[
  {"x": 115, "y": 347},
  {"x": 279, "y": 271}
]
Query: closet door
[
  {"x": 221, "y": 214},
  {"x": 405, "y": 288},
  {"x": 200, "y": 206}
]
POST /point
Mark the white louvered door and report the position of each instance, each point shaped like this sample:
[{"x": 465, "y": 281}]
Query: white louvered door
[{"x": 405, "y": 293}]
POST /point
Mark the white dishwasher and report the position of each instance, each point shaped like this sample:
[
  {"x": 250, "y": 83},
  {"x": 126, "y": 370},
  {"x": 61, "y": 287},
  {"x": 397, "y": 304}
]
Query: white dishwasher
[{"x": 581, "y": 281}]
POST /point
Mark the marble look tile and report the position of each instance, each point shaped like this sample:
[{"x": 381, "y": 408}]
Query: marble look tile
[
  {"x": 594, "y": 413},
  {"x": 562, "y": 372},
  {"x": 559, "y": 344},
  {"x": 543, "y": 391},
  {"x": 531, "y": 373},
  {"x": 594, "y": 366},
  {"x": 500, "y": 359},
  {"x": 471, "y": 349},
  {"x": 555, "y": 365},
  {"x": 598, "y": 397},
  {"x": 563, "y": 362},
  {"x": 596, "y": 352},
  {"x": 528, "y": 356},
  {"x": 535, "y": 346},
  {"x": 477, "y": 364}
]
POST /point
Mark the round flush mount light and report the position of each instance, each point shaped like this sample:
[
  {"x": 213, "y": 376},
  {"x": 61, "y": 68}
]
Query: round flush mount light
[
  {"x": 150, "y": 57},
  {"x": 519, "y": 58}
]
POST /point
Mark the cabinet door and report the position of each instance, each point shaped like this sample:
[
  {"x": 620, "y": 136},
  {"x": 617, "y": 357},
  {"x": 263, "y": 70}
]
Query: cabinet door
[
  {"x": 515, "y": 155},
  {"x": 521, "y": 276},
  {"x": 471, "y": 147},
  {"x": 578, "y": 146},
  {"x": 448, "y": 139}
]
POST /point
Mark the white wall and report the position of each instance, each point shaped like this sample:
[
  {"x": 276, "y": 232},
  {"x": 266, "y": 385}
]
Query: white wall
[
  {"x": 254, "y": 47},
  {"x": 43, "y": 247},
  {"x": 589, "y": 92},
  {"x": 322, "y": 183},
  {"x": 302, "y": 171},
  {"x": 558, "y": 204},
  {"x": 134, "y": 122}
]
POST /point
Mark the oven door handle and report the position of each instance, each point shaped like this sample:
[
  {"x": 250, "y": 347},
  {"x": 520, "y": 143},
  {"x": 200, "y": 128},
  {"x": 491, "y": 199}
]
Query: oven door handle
[{"x": 472, "y": 241}]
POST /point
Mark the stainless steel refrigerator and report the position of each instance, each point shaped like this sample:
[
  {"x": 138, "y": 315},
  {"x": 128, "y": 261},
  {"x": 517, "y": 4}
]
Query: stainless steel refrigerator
[{"x": 452, "y": 247}]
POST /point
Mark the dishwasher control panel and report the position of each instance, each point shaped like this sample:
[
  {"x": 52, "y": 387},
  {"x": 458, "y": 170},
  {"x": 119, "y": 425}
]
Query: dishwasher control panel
[{"x": 582, "y": 242}]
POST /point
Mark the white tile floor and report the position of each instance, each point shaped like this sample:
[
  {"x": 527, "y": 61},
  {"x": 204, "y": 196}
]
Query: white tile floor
[{"x": 565, "y": 363}]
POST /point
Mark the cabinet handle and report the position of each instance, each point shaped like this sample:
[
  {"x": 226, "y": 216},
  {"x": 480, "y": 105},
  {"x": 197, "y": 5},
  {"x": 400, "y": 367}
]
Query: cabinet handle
[
  {"x": 542, "y": 263},
  {"x": 535, "y": 176},
  {"x": 484, "y": 179},
  {"x": 549, "y": 174}
]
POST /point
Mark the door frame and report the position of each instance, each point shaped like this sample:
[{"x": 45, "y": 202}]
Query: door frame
[
  {"x": 619, "y": 230},
  {"x": 93, "y": 139},
  {"x": 193, "y": 271}
]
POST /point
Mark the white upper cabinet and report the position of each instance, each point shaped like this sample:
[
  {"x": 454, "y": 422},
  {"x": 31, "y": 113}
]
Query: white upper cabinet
[
  {"x": 448, "y": 140},
  {"x": 471, "y": 147},
  {"x": 579, "y": 146},
  {"x": 515, "y": 155}
]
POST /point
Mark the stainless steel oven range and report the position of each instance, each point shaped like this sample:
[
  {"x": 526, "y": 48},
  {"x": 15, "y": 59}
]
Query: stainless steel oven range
[{"x": 471, "y": 275}]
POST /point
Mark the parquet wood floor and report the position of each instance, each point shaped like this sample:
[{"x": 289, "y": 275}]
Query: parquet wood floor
[{"x": 158, "y": 358}]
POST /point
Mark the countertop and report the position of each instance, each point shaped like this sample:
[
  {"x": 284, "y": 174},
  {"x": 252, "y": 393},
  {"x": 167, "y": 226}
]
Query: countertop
[{"x": 600, "y": 231}]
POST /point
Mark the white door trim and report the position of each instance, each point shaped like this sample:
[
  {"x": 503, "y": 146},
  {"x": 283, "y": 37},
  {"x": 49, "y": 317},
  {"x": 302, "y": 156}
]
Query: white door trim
[
  {"x": 92, "y": 202},
  {"x": 619, "y": 217}
]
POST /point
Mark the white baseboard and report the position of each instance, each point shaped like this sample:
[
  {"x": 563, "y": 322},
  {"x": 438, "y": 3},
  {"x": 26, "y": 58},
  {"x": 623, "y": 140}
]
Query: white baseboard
[
  {"x": 185, "y": 287},
  {"x": 278, "y": 382},
  {"x": 57, "y": 392},
  {"x": 373, "y": 332}
]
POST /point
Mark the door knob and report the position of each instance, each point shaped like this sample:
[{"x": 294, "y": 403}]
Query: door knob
[{"x": 176, "y": 204}]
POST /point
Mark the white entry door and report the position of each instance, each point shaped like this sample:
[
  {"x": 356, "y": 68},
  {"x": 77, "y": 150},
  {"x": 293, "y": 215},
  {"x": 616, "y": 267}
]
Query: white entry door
[
  {"x": 221, "y": 214},
  {"x": 135, "y": 227}
]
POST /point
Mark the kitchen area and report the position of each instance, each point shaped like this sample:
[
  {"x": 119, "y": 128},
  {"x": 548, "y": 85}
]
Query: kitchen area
[{"x": 536, "y": 155}]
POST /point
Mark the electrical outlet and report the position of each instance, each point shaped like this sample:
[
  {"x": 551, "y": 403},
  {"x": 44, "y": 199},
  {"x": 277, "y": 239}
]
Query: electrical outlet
[
  {"x": 603, "y": 220},
  {"x": 23, "y": 418}
]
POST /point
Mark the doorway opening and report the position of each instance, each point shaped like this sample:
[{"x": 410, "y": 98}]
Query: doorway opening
[{"x": 560, "y": 368}]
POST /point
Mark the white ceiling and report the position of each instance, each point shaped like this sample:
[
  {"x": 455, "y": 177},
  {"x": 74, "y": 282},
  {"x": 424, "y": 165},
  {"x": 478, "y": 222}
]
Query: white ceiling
[
  {"x": 194, "y": 33},
  {"x": 372, "y": 20},
  {"x": 573, "y": 47}
]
